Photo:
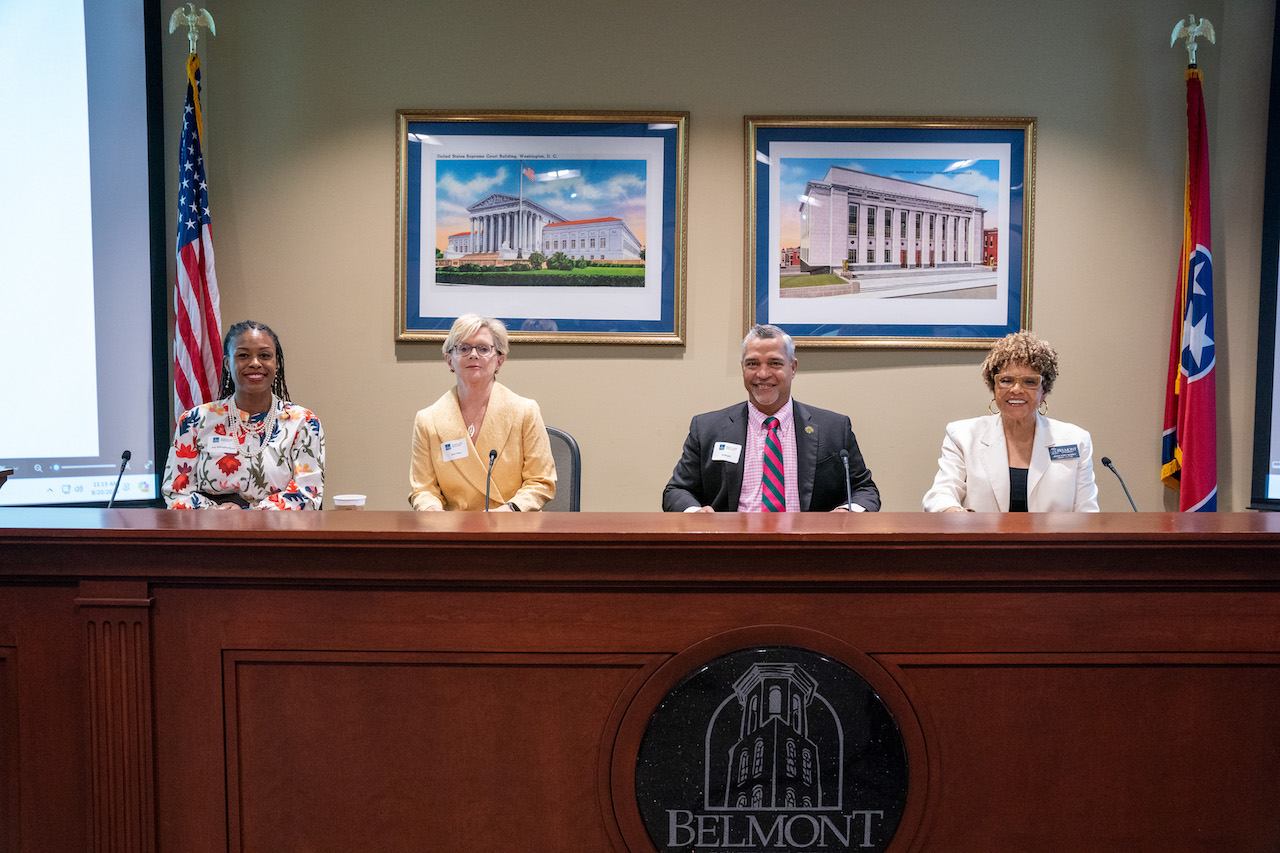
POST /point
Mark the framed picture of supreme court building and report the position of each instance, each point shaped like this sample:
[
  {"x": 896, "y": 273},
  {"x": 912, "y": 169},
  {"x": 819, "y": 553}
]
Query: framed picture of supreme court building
[
  {"x": 568, "y": 226},
  {"x": 890, "y": 232}
]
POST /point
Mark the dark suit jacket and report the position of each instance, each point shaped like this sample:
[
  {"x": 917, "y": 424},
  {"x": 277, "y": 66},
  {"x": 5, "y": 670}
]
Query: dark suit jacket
[{"x": 820, "y": 435}]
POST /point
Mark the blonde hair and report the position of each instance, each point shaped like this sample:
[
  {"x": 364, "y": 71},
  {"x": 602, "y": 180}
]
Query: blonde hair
[
  {"x": 468, "y": 325},
  {"x": 1021, "y": 348}
]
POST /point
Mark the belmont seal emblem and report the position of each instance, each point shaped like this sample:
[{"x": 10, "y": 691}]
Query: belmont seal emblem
[{"x": 771, "y": 749}]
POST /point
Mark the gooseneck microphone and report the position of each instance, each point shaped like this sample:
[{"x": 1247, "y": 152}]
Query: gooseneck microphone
[
  {"x": 1106, "y": 461},
  {"x": 488, "y": 478},
  {"x": 848, "y": 490},
  {"x": 124, "y": 461}
]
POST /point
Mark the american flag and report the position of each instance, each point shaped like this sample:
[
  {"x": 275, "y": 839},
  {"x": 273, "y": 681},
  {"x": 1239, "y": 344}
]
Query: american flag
[
  {"x": 197, "y": 332},
  {"x": 1190, "y": 447}
]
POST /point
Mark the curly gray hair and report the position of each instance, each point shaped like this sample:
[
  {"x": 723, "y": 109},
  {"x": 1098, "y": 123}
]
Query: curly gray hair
[{"x": 1021, "y": 348}]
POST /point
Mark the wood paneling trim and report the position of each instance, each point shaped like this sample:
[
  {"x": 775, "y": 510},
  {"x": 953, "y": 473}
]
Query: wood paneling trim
[
  {"x": 291, "y": 719},
  {"x": 116, "y": 620},
  {"x": 10, "y": 806},
  {"x": 650, "y": 550}
]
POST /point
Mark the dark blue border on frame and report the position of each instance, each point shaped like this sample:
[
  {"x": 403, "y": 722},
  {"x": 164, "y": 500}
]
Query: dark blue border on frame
[
  {"x": 671, "y": 159},
  {"x": 1015, "y": 138}
]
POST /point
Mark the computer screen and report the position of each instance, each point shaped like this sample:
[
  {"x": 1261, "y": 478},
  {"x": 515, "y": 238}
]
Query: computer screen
[
  {"x": 79, "y": 235},
  {"x": 1266, "y": 425}
]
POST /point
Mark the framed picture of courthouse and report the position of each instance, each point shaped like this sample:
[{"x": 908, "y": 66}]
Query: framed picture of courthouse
[
  {"x": 890, "y": 232},
  {"x": 569, "y": 227}
]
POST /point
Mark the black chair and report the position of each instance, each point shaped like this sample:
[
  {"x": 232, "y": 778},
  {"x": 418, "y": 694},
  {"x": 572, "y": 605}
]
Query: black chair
[{"x": 564, "y": 450}]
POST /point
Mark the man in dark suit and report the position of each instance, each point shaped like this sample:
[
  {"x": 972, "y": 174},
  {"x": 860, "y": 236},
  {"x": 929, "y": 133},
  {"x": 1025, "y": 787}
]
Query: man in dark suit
[{"x": 771, "y": 453}]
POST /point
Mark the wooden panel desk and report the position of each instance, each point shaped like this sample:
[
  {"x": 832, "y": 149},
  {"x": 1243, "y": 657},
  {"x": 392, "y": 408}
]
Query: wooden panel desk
[{"x": 397, "y": 681}]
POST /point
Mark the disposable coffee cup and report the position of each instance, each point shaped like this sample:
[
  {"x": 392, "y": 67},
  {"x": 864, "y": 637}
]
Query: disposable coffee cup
[{"x": 348, "y": 501}]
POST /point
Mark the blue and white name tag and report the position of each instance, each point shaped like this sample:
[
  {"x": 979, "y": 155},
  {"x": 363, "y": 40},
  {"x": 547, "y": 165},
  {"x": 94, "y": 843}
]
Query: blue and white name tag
[
  {"x": 224, "y": 444},
  {"x": 456, "y": 449},
  {"x": 1064, "y": 451},
  {"x": 723, "y": 451}
]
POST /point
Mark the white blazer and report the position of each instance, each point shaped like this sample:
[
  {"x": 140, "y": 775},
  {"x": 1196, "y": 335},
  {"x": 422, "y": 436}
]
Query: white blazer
[{"x": 973, "y": 471}]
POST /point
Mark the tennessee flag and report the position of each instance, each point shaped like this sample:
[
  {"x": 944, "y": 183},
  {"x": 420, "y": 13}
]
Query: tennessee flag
[{"x": 1190, "y": 450}]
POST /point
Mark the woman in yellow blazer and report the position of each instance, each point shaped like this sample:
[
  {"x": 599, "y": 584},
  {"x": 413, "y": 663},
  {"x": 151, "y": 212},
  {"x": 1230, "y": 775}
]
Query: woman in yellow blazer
[{"x": 454, "y": 436}]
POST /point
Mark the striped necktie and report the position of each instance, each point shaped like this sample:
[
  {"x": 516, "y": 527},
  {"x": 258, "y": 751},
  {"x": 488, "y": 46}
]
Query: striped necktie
[{"x": 773, "y": 491}]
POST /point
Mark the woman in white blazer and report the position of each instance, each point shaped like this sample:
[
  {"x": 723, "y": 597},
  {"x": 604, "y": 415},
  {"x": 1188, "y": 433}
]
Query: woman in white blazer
[{"x": 1015, "y": 459}]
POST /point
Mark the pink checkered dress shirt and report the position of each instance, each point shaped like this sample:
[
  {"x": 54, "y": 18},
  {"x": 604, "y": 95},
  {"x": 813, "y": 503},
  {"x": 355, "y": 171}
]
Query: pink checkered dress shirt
[{"x": 751, "y": 499}]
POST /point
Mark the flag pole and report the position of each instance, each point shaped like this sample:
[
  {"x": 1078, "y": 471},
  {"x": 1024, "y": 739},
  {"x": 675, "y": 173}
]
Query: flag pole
[
  {"x": 1189, "y": 450},
  {"x": 197, "y": 321},
  {"x": 194, "y": 19},
  {"x": 1189, "y": 31}
]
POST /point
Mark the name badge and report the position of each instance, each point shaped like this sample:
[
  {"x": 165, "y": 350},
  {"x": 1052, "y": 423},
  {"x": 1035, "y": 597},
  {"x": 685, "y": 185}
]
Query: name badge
[
  {"x": 456, "y": 449},
  {"x": 1065, "y": 451},
  {"x": 726, "y": 452},
  {"x": 224, "y": 444}
]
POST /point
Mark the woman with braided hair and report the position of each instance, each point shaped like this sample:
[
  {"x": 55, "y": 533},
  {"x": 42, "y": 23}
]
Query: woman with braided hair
[{"x": 252, "y": 448}]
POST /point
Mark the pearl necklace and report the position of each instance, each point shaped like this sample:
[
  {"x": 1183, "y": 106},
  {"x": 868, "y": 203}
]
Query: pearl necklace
[{"x": 245, "y": 427}]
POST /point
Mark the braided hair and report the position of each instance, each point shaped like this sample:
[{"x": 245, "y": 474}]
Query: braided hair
[{"x": 278, "y": 386}]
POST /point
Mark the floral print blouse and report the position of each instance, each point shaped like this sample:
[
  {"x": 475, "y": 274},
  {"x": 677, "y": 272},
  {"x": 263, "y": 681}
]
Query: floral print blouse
[{"x": 210, "y": 463}]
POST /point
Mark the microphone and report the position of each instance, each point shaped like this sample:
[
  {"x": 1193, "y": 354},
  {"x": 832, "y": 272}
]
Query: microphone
[
  {"x": 848, "y": 490},
  {"x": 488, "y": 478},
  {"x": 124, "y": 461},
  {"x": 1106, "y": 461}
]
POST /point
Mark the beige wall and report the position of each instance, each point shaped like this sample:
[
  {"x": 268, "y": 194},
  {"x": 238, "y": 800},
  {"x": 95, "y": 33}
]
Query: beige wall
[{"x": 300, "y": 100}]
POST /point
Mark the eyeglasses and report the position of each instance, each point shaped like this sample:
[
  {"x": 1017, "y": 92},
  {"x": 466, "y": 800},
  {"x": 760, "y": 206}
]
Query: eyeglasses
[
  {"x": 1006, "y": 382},
  {"x": 484, "y": 350}
]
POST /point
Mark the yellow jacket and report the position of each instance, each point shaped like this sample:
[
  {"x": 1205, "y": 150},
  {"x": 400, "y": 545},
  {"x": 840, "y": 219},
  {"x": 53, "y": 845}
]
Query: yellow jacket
[{"x": 524, "y": 474}]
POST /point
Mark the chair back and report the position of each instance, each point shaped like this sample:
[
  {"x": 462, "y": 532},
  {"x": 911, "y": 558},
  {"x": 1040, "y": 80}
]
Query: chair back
[{"x": 564, "y": 450}]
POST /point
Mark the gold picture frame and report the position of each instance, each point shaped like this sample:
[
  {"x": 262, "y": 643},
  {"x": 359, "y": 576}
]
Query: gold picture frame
[
  {"x": 890, "y": 232},
  {"x": 569, "y": 226}
]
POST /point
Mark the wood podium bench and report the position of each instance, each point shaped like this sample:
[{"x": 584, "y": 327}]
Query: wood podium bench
[{"x": 395, "y": 681}]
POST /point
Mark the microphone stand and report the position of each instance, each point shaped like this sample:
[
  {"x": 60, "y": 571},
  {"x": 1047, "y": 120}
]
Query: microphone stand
[
  {"x": 488, "y": 477},
  {"x": 848, "y": 490},
  {"x": 1106, "y": 461},
  {"x": 124, "y": 462}
]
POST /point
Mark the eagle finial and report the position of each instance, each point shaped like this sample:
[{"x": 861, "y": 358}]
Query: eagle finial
[
  {"x": 194, "y": 19},
  {"x": 1190, "y": 30}
]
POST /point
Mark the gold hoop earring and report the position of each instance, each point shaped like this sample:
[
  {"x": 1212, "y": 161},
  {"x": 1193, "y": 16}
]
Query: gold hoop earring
[
  {"x": 992, "y": 403},
  {"x": 1044, "y": 407}
]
